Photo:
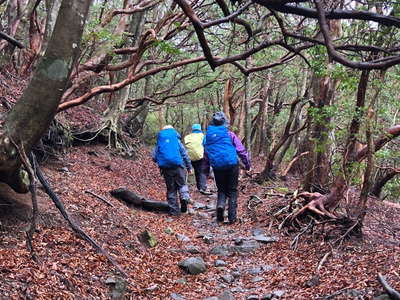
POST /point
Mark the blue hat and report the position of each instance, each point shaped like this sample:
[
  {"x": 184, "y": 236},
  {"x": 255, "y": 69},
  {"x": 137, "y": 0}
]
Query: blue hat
[{"x": 196, "y": 127}]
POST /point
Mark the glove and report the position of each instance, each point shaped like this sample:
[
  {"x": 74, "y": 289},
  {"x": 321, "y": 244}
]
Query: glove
[{"x": 248, "y": 172}]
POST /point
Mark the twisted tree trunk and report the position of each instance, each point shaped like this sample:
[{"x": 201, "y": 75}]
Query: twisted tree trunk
[{"x": 31, "y": 115}]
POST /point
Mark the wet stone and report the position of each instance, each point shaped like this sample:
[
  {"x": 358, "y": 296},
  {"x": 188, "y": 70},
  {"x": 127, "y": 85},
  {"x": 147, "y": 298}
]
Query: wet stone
[
  {"x": 220, "y": 263},
  {"x": 255, "y": 271},
  {"x": 265, "y": 239},
  {"x": 257, "y": 279},
  {"x": 193, "y": 265},
  {"x": 228, "y": 278},
  {"x": 177, "y": 297}
]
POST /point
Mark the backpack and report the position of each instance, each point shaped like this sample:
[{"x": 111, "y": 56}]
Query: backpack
[
  {"x": 194, "y": 146},
  {"x": 219, "y": 148},
  {"x": 167, "y": 152}
]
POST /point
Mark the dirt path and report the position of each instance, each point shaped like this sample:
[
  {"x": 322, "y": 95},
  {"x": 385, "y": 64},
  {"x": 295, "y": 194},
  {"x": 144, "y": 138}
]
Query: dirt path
[{"x": 69, "y": 268}]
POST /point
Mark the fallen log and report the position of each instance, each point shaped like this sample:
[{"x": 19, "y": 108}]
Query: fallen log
[
  {"x": 132, "y": 199},
  {"x": 393, "y": 294}
]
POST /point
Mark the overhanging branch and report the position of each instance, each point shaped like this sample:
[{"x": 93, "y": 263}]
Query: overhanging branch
[{"x": 389, "y": 61}]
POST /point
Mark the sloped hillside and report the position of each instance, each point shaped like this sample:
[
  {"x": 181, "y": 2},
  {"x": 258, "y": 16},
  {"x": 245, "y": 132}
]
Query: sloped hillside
[{"x": 67, "y": 267}]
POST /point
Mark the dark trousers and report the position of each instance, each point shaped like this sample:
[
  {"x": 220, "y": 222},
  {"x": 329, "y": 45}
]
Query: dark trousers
[
  {"x": 227, "y": 182},
  {"x": 175, "y": 180},
  {"x": 201, "y": 177}
]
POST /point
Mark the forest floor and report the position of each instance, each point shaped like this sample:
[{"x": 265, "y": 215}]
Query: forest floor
[{"x": 68, "y": 267}]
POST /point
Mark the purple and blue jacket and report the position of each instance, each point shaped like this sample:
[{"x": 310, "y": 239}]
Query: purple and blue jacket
[{"x": 240, "y": 150}]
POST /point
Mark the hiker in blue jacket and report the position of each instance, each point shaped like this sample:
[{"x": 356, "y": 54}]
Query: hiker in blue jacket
[
  {"x": 223, "y": 147},
  {"x": 172, "y": 159}
]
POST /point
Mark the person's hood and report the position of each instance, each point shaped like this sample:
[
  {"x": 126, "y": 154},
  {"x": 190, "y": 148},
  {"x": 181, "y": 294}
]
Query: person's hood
[
  {"x": 196, "y": 128},
  {"x": 219, "y": 118}
]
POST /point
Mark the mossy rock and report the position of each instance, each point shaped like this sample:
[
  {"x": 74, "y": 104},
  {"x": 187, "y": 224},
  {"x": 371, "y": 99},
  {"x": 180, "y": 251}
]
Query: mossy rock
[
  {"x": 283, "y": 190},
  {"x": 148, "y": 239}
]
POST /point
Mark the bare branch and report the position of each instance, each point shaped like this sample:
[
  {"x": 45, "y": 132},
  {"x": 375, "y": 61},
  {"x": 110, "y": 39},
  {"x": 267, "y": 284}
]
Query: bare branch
[
  {"x": 225, "y": 10},
  {"x": 331, "y": 14},
  {"x": 11, "y": 40},
  {"x": 198, "y": 27},
  {"x": 129, "y": 11},
  {"x": 129, "y": 80},
  {"x": 390, "y": 61}
]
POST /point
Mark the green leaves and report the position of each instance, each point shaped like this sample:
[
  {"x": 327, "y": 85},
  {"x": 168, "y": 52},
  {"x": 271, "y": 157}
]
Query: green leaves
[
  {"x": 318, "y": 60},
  {"x": 167, "y": 47},
  {"x": 321, "y": 114}
]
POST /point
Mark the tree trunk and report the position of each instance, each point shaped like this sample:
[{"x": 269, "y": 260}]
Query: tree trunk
[
  {"x": 324, "y": 94},
  {"x": 269, "y": 171},
  {"x": 246, "y": 108},
  {"x": 261, "y": 118},
  {"x": 14, "y": 11},
  {"x": 52, "y": 8},
  {"x": 376, "y": 189},
  {"x": 111, "y": 119},
  {"x": 362, "y": 203},
  {"x": 31, "y": 115},
  {"x": 228, "y": 94},
  {"x": 318, "y": 175},
  {"x": 135, "y": 123},
  {"x": 36, "y": 31},
  {"x": 296, "y": 123}
]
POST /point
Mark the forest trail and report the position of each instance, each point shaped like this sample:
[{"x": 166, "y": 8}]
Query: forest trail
[{"x": 238, "y": 266}]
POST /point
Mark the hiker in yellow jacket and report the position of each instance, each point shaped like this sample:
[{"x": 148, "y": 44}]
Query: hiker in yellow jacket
[{"x": 195, "y": 149}]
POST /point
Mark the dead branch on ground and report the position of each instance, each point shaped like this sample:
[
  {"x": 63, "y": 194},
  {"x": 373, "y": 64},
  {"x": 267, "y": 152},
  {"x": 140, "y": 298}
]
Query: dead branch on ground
[
  {"x": 60, "y": 206},
  {"x": 393, "y": 294},
  {"x": 99, "y": 197}
]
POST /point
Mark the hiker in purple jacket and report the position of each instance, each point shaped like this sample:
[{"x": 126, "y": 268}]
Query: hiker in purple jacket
[{"x": 222, "y": 148}]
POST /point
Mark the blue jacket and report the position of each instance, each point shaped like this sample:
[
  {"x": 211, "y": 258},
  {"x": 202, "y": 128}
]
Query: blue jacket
[{"x": 186, "y": 160}]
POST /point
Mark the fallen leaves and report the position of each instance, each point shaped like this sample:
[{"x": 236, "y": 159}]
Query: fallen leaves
[{"x": 69, "y": 268}]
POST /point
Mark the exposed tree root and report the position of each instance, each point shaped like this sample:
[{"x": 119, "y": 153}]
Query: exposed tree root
[
  {"x": 120, "y": 143},
  {"x": 315, "y": 204},
  {"x": 252, "y": 202},
  {"x": 307, "y": 213}
]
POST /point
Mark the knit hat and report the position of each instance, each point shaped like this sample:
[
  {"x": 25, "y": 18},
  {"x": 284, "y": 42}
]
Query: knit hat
[
  {"x": 167, "y": 127},
  {"x": 196, "y": 127},
  {"x": 219, "y": 118}
]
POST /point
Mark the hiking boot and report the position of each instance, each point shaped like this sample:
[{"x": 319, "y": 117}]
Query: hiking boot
[
  {"x": 220, "y": 214},
  {"x": 174, "y": 213},
  {"x": 232, "y": 208},
  {"x": 184, "y": 206},
  {"x": 205, "y": 192},
  {"x": 232, "y": 221}
]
